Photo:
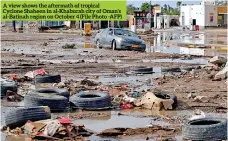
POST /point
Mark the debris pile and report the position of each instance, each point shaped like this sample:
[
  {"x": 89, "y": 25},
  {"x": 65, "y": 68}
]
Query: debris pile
[
  {"x": 76, "y": 86},
  {"x": 158, "y": 100},
  {"x": 59, "y": 128},
  {"x": 154, "y": 129}
]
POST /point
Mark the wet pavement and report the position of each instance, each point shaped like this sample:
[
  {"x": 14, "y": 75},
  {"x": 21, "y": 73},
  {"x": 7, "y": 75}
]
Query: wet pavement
[
  {"x": 190, "y": 61},
  {"x": 115, "y": 121},
  {"x": 158, "y": 44}
]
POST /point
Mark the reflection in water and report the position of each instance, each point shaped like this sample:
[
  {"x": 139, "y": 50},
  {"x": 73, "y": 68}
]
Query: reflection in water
[
  {"x": 164, "y": 37},
  {"x": 194, "y": 38},
  {"x": 88, "y": 42},
  {"x": 118, "y": 121},
  {"x": 192, "y": 61}
]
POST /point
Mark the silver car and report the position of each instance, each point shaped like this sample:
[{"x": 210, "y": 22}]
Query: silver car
[{"x": 117, "y": 38}]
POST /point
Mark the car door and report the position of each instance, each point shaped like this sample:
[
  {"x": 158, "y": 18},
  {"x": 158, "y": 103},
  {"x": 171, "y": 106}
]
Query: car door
[
  {"x": 102, "y": 37},
  {"x": 109, "y": 38}
]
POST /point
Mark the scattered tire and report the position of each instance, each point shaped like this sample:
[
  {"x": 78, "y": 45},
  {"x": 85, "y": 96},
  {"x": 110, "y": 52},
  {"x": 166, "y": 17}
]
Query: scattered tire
[
  {"x": 91, "y": 100},
  {"x": 186, "y": 69},
  {"x": 146, "y": 72},
  {"x": 8, "y": 85},
  {"x": 113, "y": 45},
  {"x": 50, "y": 78},
  {"x": 135, "y": 72},
  {"x": 98, "y": 45},
  {"x": 171, "y": 70},
  {"x": 205, "y": 129},
  {"x": 57, "y": 91},
  {"x": 52, "y": 100},
  {"x": 18, "y": 117},
  {"x": 142, "y": 69},
  {"x": 164, "y": 95}
]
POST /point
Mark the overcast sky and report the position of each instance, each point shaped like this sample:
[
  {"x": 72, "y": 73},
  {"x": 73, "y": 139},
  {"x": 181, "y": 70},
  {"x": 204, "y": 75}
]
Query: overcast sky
[{"x": 172, "y": 3}]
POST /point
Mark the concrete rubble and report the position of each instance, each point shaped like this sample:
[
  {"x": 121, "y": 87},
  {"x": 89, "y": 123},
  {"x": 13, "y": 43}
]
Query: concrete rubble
[
  {"x": 150, "y": 101},
  {"x": 222, "y": 74},
  {"x": 59, "y": 128},
  {"x": 217, "y": 60},
  {"x": 203, "y": 99}
]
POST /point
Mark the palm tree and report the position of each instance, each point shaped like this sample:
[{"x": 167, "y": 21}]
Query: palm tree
[
  {"x": 179, "y": 4},
  {"x": 220, "y": 2},
  {"x": 169, "y": 10},
  {"x": 165, "y": 7},
  {"x": 130, "y": 9}
]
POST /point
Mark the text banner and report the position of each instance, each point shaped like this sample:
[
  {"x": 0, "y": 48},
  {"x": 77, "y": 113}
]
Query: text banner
[{"x": 63, "y": 10}]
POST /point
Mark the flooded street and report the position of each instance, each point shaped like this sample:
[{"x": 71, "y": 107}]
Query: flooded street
[{"x": 176, "y": 60}]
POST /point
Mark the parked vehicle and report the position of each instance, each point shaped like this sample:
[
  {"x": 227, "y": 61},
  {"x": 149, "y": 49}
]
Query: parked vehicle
[{"x": 117, "y": 38}]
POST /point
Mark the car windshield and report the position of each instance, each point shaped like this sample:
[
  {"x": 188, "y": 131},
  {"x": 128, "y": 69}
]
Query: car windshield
[{"x": 124, "y": 33}]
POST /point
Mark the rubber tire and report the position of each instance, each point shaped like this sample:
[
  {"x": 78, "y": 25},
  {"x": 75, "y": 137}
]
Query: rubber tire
[
  {"x": 99, "y": 44},
  {"x": 187, "y": 69},
  {"x": 113, "y": 43},
  {"x": 50, "y": 78},
  {"x": 18, "y": 117},
  {"x": 205, "y": 132},
  {"x": 143, "y": 69},
  {"x": 135, "y": 72},
  {"x": 55, "y": 102},
  {"x": 146, "y": 72},
  {"x": 171, "y": 70},
  {"x": 8, "y": 85},
  {"x": 97, "y": 103},
  {"x": 169, "y": 96},
  {"x": 57, "y": 91}
]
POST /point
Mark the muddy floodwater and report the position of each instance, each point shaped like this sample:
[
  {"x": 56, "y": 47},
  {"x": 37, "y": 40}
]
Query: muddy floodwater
[{"x": 177, "y": 60}]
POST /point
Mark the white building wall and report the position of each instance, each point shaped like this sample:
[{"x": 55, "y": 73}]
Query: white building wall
[
  {"x": 166, "y": 21},
  {"x": 192, "y": 12},
  {"x": 197, "y": 12},
  {"x": 158, "y": 22},
  {"x": 185, "y": 13},
  {"x": 201, "y": 13},
  {"x": 211, "y": 10}
]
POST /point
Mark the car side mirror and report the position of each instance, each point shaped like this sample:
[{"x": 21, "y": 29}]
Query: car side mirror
[
  {"x": 98, "y": 31},
  {"x": 110, "y": 32}
]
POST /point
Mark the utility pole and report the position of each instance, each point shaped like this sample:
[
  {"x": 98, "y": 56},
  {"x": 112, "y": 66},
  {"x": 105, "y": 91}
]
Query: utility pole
[{"x": 150, "y": 14}]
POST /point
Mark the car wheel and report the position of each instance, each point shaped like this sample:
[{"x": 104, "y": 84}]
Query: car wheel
[
  {"x": 98, "y": 45},
  {"x": 114, "y": 45},
  {"x": 143, "y": 50}
]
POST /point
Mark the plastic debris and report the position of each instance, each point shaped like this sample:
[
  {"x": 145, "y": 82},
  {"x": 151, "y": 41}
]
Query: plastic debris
[
  {"x": 64, "y": 120},
  {"x": 150, "y": 101},
  {"x": 126, "y": 105},
  {"x": 128, "y": 99}
]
